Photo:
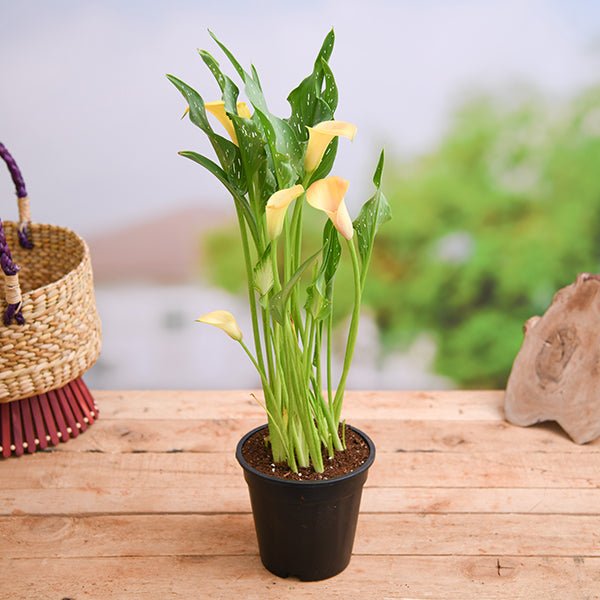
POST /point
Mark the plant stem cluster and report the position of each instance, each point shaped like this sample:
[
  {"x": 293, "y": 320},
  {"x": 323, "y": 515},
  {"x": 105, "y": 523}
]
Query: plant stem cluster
[{"x": 267, "y": 165}]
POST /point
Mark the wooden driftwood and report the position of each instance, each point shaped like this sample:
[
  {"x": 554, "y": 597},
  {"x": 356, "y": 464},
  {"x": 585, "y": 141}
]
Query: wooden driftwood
[{"x": 556, "y": 374}]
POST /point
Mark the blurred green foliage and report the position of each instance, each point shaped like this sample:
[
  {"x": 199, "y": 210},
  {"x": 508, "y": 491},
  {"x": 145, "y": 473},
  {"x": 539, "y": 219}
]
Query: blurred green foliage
[{"x": 486, "y": 228}]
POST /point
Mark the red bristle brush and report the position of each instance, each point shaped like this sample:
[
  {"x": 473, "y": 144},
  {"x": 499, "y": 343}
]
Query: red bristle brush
[
  {"x": 55, "y": 415},
  {"x": 45, "y": 420}
]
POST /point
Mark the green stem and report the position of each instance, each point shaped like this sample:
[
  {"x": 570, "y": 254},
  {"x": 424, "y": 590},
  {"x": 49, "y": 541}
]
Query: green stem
[
  {"x": 269, "y": 398},
  {"x": 352, "y": 333},
  {"x": 333, "y": 425},
  {"x": 301, "y": 401},
  {"x": 292, "y": 390},
  {"x": 275, "y": 267},
  {"x": 329, "y": 357},
  {"x": 268, "y": 339},
  {"x": 287, "y": 264},
  {"x": 296, "y": 256},
  {"x": 279, "y": 443},
  {"x": 317, "y": 356},
  {"x": 365, "y": 267},
  {"x": 308, "y": 349},
  {"x": 299, "y": 444},
  {"x": 251, "y": 296}
]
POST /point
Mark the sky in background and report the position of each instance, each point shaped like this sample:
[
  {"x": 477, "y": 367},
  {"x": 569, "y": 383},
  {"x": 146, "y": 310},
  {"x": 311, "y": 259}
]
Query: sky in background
[{"x": 87, "y": 111}]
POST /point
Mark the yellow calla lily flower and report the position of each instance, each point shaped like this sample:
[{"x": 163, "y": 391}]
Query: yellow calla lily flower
[
  {"x": 225, "y": 321},
  {"x": 277, "y": 207},
  {"x": 320, "y": 136},
  {"x": 218, "y": 110},
  {"x": 328, "y": 195}
]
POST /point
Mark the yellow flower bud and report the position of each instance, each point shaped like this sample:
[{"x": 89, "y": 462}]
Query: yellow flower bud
[
  {"x": 320, "y": 136},
  {"x": 277, "y": 207},
  {"x": 218, "y": 110},
  {"x": 225, "y": 321},
  {"x": 328, "y": 195}
]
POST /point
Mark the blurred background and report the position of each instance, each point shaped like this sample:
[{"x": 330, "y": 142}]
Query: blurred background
[{"x": 489, "y": 113}]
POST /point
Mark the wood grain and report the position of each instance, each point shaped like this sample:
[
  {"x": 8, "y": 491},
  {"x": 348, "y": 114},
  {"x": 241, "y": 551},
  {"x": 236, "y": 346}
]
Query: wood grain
[
  {"x": 88, "y": 500},
  {"x": 227, "y": 534},
  {"x": 182, "y": 435},
  {"x": 392, "y": 469},
  {"x": 451, "y": 405},
  {"x": 150, "y": 503},
  {"x": 377, "y": 577}
]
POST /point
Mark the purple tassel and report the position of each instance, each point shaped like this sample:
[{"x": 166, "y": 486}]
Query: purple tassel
[
  {"x": 24, "y": 239},
  {"x": 13, "y": 311}
]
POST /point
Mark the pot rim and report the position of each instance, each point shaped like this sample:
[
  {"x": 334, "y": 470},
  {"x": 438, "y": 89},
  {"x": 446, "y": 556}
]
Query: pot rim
[{"x": 312, "y": 483}]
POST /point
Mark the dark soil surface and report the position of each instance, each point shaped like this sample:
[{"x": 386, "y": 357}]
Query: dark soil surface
[{"x": 258, "y": 454}]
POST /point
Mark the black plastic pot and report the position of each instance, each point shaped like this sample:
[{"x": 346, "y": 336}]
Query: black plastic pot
[{"x": 305, "y": 529}]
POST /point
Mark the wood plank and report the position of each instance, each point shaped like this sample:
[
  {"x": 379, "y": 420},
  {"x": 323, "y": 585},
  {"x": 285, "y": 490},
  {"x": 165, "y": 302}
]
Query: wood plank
[
  {"x": 223, "y": 578},
  {"x": 453, "y": 405},
  {"x": 147, "y": 504},
  {"x": 87, "y": 500},
  {"x": 228, "y": 534},
  {"x": 399, "y": 469},
  {"x": 215, "y": 435}
]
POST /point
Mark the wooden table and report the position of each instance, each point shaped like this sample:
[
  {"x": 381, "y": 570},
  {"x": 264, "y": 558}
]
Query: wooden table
[{"x": 150, "y": 503}]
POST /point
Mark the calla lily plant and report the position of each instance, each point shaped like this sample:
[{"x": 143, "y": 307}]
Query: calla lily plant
[{"x": 274, "y": 168}]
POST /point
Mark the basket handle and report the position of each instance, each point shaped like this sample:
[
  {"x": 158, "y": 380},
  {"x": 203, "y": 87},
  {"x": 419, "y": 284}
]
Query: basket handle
[
  {"x": 22, "y": 198},
  {"x": 12, "y": 288}
]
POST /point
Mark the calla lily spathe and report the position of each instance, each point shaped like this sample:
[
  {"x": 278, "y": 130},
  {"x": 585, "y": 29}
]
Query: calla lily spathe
[
  {"x": 277, "y": 207},
  {"x": 218, "y": 110},
  {"x": 320, "y": 136},
  {"x": 225, "y": 321},
  {"x": 328, "y": 195}
]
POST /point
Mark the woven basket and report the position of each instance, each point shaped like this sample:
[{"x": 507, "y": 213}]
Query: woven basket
[{"x": 51, "y": 331}]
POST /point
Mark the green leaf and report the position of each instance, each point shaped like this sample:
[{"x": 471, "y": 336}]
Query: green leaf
[
  {"x": 230, "y": 56},
  {"x": 195, "y": 102},
  {"x": 373, "y": 214},
  {"x": 263, "y": 273},
  {"x": 286, "y": 141},
  {"x": 320, "y": 292},
  {"x": 308, "y": 105},
  {"x": 240, "y": 201},
  {"x": 317, "y": 302},
  {"x": 330, "y": 91},
  {"x": 325, "y": 51},
  {"x": 379, "y": 171},
  {"x": 327, "y": 161},
  {"x": 285, "y": 151},
  {"x": 251, "y": 82},
  {"x": 255, "y": 94},
  {"x": 279, "y": 300},
  {"x": 230, "y": 93},
  {"x": 229, "y": 90},
  {"x": 255, "y": 76},
  {"x": 254, "y": 161},
  {"x": 227, "y": 152},
  {"x": 332, "y": 251}
]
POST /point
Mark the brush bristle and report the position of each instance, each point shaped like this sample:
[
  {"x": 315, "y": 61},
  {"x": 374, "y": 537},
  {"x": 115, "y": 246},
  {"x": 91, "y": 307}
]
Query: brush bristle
[{"x": 35, "y": 423}]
